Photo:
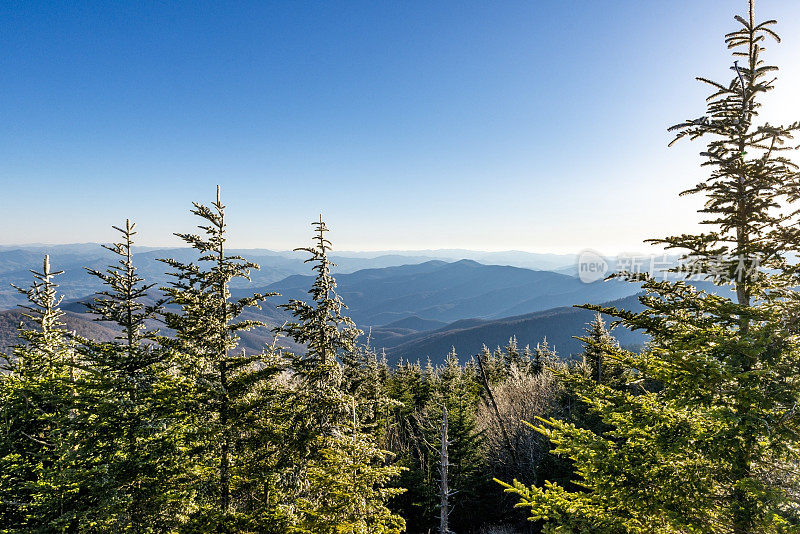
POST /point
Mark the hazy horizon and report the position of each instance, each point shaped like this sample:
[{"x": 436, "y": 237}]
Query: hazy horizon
[{"x": 450, "y": 252}]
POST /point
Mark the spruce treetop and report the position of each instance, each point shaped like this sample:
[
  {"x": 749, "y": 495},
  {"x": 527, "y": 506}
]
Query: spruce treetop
[
  {"x": 202, "y": 289},
  {"x": 50, "y": 339},
  {"x": 752, "y": 181},
  {"x": 322, "y": 326},
  {"x": 122, "y": 302},
  {"x": 43, "y": 299}
]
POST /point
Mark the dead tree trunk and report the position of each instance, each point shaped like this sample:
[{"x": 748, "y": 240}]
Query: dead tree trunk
[{"x": 444, "y": 491}]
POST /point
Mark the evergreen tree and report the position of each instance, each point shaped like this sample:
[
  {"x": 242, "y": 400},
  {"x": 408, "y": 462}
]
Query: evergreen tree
[
  {"x": 263, "y": 410},
  {"x": 367, "y": 383},
  {"x": 493, "y": 365},
  {"x": 598, "y": 342},
  {"x": 512, "y": 354},
  {"x": 350, "y": 487},
  {"x": 543, "y": 356},
  {"x": 692, "y": 443},
  {"x": 330, "y": 338},
  {"x": 410, "y": 387},
  {"x": 39, "y": 486},
  {"x": 418, "y": 444},
  {"x": 459, "y": 390},
  {"x": 127, "y": 398},
  {"x": 341, "y": 472},
  {"x": 206, "y": 324}
]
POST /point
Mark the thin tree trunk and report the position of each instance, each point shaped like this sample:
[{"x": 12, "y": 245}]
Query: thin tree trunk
[
  {"x": 743, "y": 520},
  {"x": 224, "y": 471},
  {"x": 599, "y": 368},
  {"x": 443, "y": 467},
  {"x": 224, "y": 476}
]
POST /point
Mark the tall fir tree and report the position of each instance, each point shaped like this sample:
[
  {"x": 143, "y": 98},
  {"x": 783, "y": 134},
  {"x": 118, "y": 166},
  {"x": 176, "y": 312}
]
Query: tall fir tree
[
  {"x": 693, "y": 444},
  {"x": 206, "y": 324},
  {"x": 330, "y": 337},
  {"x": 342, "y": 474},
  {"x": 128, "y": 396},
  {"x": 40, "y": 486}
]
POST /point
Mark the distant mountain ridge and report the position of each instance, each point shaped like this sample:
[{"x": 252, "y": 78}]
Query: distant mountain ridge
[
  {"x": 413, "y": 310},
  {"x": 515, "y": 258},
  {"x": 447, "y": 292},
  {"x": 78, "y": 320},
  {"x": 10, "y": 321},
  {"x": 15, "y": 266},
  {"x": 559, "y": 326},
  {"x": 17, "y": 260}
]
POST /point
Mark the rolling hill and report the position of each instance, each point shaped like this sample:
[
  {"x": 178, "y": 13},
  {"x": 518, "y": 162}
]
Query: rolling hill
[
  {"x": 81, "y": 323},
  {"x": 76, "y": 319},
  {"x": 16, "y": 260},
  {"x": 412, "y": 310},
  {"x": 557, "y": 325},
  {"x": 15, "y": 265},
  {"x": 447, "y": 292}
]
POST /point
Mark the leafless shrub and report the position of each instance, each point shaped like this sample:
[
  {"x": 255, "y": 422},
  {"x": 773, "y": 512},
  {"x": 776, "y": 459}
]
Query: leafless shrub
[{"x": 522, "y": 397}]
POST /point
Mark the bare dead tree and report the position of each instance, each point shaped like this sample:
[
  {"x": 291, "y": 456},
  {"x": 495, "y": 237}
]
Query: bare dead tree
[{"x": 443, "y": 489}]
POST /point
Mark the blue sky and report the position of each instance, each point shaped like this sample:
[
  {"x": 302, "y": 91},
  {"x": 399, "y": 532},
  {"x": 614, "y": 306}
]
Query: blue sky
[{"x": 536, "y": 125}]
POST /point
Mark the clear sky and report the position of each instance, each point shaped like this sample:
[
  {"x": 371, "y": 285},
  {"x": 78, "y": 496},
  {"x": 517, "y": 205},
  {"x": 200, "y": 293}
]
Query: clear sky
[{"x": 536, "y": 125}]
